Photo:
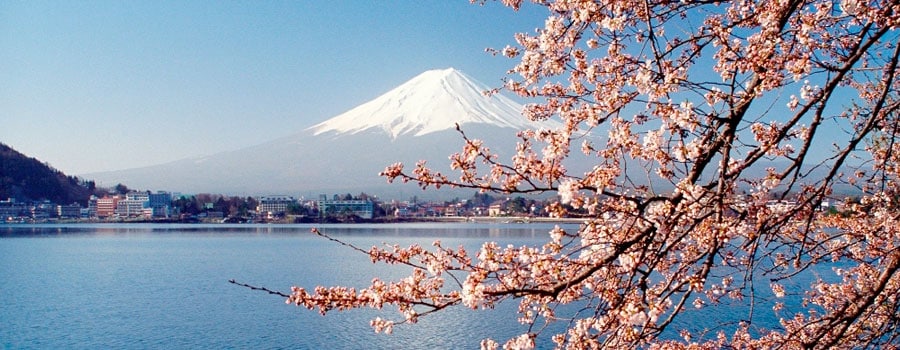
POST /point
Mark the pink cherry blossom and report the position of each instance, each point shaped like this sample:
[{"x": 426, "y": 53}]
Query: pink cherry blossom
[{"x": 715, "y": 131}]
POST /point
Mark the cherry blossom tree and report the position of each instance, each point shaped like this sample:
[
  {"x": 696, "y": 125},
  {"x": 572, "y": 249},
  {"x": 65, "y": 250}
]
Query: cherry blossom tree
[{"x": 715, "y": 131}]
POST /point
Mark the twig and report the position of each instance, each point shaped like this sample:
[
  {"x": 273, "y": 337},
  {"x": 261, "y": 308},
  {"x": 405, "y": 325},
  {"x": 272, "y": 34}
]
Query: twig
[{"x": 264, "y": 289}]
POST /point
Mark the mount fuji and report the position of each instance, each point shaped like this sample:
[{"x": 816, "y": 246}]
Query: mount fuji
[
  {"x": 414, "y": 121},
  {"x": 431, "y": 102}
]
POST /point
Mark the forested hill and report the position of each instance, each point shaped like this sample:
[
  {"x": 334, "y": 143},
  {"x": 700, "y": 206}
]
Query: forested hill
[{"x": 25, "y": 178}]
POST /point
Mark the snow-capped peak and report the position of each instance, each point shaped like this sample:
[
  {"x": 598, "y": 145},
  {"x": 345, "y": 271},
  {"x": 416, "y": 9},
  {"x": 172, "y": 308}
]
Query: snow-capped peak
[{"x": 433, "y": 101}]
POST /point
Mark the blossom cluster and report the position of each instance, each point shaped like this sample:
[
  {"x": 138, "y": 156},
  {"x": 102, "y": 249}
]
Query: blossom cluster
[{"x": 714, "y": 131}]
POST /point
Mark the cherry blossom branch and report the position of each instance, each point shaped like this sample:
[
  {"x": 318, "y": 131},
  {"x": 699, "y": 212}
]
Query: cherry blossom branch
[{"x": 676, "y": 104}]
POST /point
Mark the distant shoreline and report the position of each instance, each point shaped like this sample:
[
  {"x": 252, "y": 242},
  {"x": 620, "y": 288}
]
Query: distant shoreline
[
  {"x": 502, "y": 219},
  {"x": 306, "y": 220}
]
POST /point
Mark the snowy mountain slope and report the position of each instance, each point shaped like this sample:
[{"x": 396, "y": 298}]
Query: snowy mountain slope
[
  {"x": 432, "y": 101},
  {"x": 415, "y": 121}
]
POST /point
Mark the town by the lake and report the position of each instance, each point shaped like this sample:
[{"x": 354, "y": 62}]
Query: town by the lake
[{"x": 163, "y": 206}]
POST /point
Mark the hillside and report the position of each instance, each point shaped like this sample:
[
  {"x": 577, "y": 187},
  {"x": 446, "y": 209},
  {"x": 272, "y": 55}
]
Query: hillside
[{"x": 25, "y": 178}]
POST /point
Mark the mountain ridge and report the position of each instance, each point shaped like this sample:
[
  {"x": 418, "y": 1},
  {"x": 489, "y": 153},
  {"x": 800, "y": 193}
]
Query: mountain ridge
[{"x": 412, "y": 122}]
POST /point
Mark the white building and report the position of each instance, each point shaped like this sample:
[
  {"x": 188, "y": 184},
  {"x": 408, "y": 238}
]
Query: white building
[
  {"x": 133, "y": 204},
  {"x": 362, "y": 208},
  {"x": 274, "y": 205}
]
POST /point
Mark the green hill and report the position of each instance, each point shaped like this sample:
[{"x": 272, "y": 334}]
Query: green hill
[{"x": 25, "y": 178}]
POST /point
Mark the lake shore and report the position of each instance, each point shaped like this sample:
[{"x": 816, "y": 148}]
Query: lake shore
[{"x": 314, "y": 220}]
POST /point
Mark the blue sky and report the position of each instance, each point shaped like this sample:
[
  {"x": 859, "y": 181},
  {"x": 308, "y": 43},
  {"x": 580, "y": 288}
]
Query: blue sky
[{"x": 105, "y": 85}]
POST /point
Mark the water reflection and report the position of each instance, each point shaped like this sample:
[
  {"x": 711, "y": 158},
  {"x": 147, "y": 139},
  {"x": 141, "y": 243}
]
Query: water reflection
[
  {"x": 165, "y": 286},
  {"x": 438, "y": 230},
  {"x": 105, "y": 285}
]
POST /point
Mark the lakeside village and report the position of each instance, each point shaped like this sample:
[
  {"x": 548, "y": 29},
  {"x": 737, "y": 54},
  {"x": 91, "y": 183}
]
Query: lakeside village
[{"x": 161, "y": 206}]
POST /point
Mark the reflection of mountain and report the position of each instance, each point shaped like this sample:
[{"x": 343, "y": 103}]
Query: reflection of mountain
[{"x": 412, "y": 122}]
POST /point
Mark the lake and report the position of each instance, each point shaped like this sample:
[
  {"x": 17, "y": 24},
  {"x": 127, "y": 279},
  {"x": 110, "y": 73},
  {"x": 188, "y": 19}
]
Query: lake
[
  {"x": 134, "y": 286},
  {"x": 166, "y": 286}
]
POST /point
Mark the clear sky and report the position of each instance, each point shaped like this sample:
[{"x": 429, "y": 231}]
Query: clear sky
[{"x": 105, "y": 85}]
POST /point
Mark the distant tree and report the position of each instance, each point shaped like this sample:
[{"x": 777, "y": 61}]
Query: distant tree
[
  {"x": 517, "y": 206},
  {"x": 248, "y": 205},
  {"x": 221, "y": 204},
  {"x": 480, "y": 200},
  {"x": 187, "y": 205},
  {"x": 296, "y": 209},
  {"x": 204, "y": 198},
  {"x": 91, "y": 186},
  {"x": 678, "y": 107},
  {"x": 379, "y": 211},
  {"x": 121, "y": 189}
]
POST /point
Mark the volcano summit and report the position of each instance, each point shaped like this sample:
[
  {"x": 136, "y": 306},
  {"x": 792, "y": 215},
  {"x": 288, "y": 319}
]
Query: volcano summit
[{"x": 433, "y": 101}]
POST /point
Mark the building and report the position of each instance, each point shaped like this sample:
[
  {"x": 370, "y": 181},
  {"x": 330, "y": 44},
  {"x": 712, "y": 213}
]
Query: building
[
  {"x": 92, "y": 207},
  {"x": 274, "y": 205},
  {"x": 44, "y": 210},
  {"x": 68, "y": 211},
  {"x": 402, "y": 212},
  {"x": 160, "y": 204},
  {"x": 495, "y": 210},
  {"x": 362, "y": 208},
  {"x": 133, "y": 204},
  {"x": 106, "y": 206},
  {"x": 10, "y": 210},
  {"x": 453, "y": 210}
]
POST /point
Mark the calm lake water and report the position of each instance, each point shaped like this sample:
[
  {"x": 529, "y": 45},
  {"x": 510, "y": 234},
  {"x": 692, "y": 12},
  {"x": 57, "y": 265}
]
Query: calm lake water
[{"x": 166, "y": 286}]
